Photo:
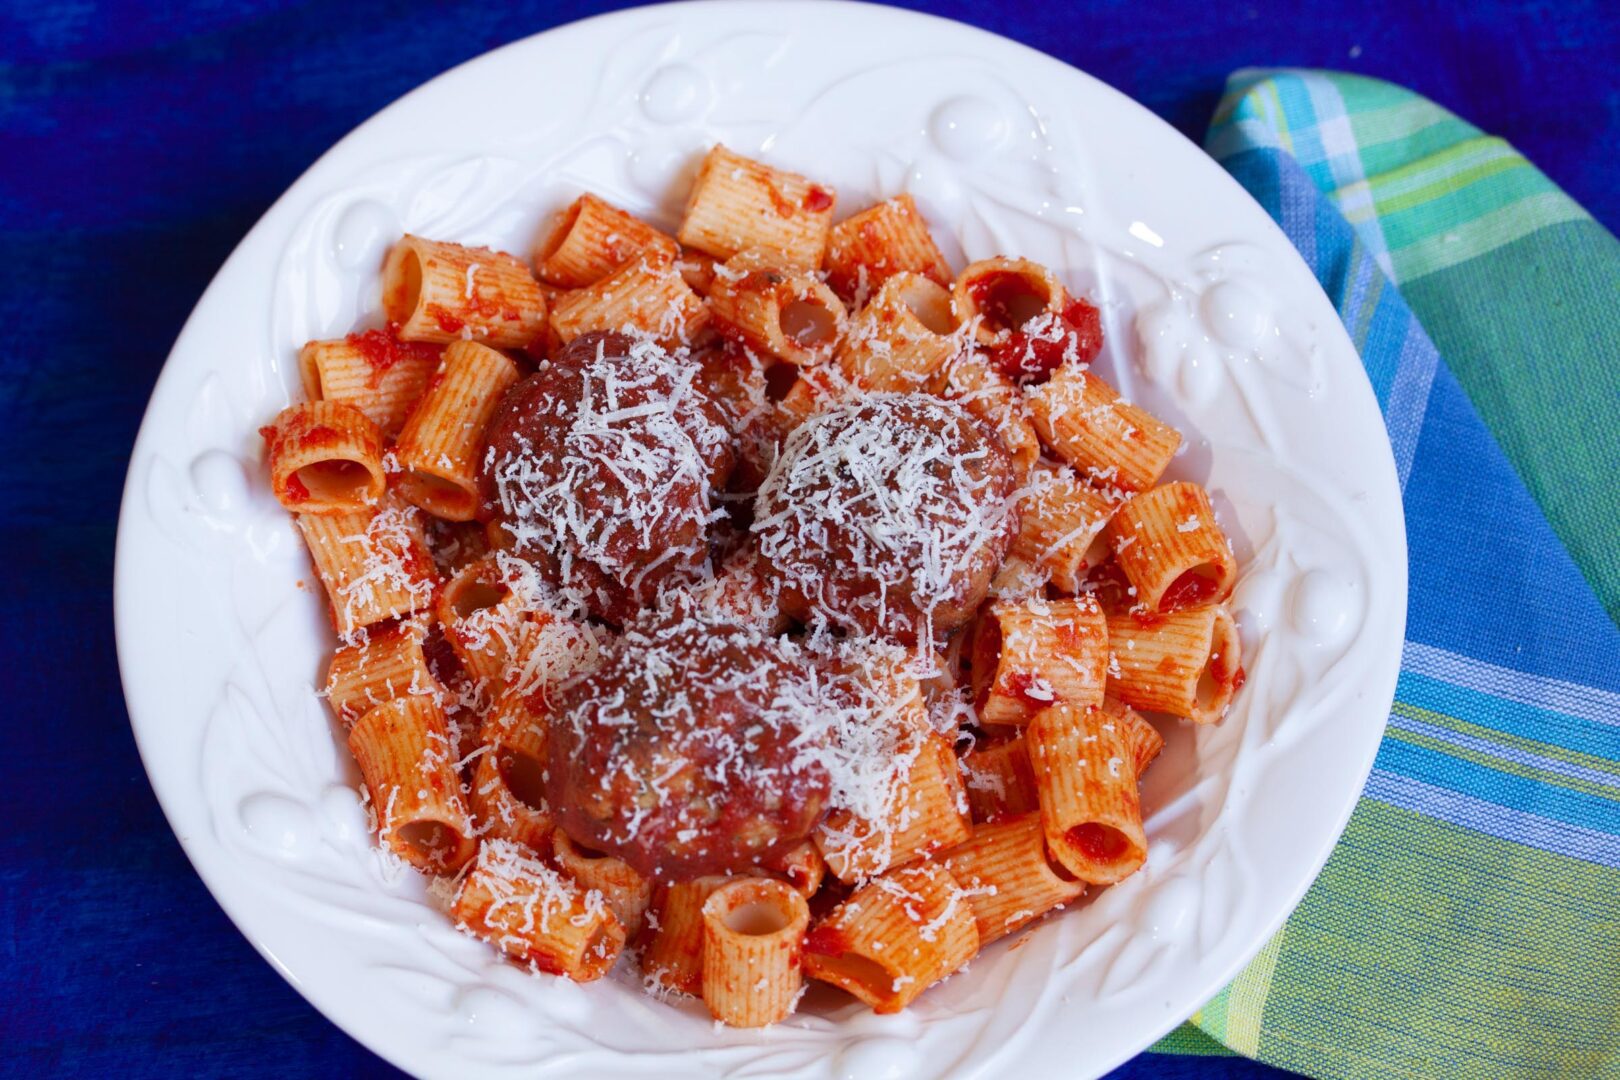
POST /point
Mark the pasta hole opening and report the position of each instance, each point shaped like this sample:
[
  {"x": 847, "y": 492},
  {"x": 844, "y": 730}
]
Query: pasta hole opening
[
  {"x": 309, "y": 373},
  {"x": 404, "y": 291},
  {"x": 985, "y": 657},
  {"x": 1007, "y": 300},
  {"x": 930, "y": 304},
  {"x": 601, "y": 949},
  {"x": 433, "y": 843},
  {"x": 438, "y": 488},
  {"x": 1097, "y": 842},
  {"x": 477, "y": 596},
  {"x": 807, "y": 323},
  {"x": 560, "y": 229},
  {"x": 865, "y": 978},
  {"x": 756, "y": 918},
  {"x": 1209, "y": 687},
  {"x": 587, "y": 854},
  {"x": 1193, "y": 587},
  {"x": 1059, "y": 871},
  {"x": 525, "y": 777},
  {"x": 779, "y": 380},
  {"x": 1096, "y": 553},
  {"x": 1217, "y": 681},
  {"x": 335, "y": 479}
]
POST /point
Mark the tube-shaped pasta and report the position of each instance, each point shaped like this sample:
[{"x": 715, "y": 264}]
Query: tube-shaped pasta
[
  {"x": 1169, "y": 546},
  {"x": 325, "y": 458},
  {"x": 997, "y": 296},
  {"x": 902, "y": 338},
  {"x": 1145, "y": 740},
  {"x": 374, "y": 564},
  {"x": 483, "y": 620},
  {"x": 1085, "y": 774},
  {"x": 499, "y": 814},
  {"x": 517, "y": 724},
  {"x": 673, "y": 956},
  {"x": 802, "y": 867},
  {"x": 373, "y": 371},
  {"x": 752, "y": 946},
  {"x": 928, "y": 812},
  {"x": 816, "y": 390},
  {"x": 445, "y": 292},
  {"x": 1109, "y": 441},
  {"x": 1060, "y": 526},
  {"x": 698, "y": 270},
  {"x": 867, "y": 248},
  {"x": 646, "y": 295},
  {"x": 439, "y": 445},
  {"x": 998, "y": 780},
  {"x": 536, "y": 915},
  {"x": 999, "y": 403},
  {"x": 780, "y": 312},
  {"x": 508, "y": 796},
  {"x": 894, "y": 937},
  {"x": 590, "y": 238},
  {"x": 388, "y": 664},
  {"x": 1187, "y": 663},
  {"x": 625, "y": 890},
  {"x": 738, "y": 203},
  {"x": 407, "y": 761},
  {"x": 1031, "y": 653},
  {"x": 1007, "y": 877}
]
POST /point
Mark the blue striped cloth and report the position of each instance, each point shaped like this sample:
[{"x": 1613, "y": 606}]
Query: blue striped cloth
[{"x": 1468, "y": 923}]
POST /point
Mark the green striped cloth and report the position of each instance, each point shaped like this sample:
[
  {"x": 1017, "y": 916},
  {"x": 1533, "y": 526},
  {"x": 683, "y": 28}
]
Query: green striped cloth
[
  {"x": 1468, "y": 923},
  {"x": 1516, "y": 285}
]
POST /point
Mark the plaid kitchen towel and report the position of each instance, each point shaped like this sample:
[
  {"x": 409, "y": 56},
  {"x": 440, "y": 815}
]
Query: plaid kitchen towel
[{"x": 1468, "y": 923}]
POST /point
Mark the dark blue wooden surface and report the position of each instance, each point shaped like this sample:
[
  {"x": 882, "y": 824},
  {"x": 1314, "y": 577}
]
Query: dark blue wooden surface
[{"x": 138, "y": 144}]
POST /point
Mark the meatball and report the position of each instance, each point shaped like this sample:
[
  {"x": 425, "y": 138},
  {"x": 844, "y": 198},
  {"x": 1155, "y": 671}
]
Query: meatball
[
  {"x": 599, "y": 467},
  {"x": 888, "y": 515},
  {"x": 695, "y": 748}
]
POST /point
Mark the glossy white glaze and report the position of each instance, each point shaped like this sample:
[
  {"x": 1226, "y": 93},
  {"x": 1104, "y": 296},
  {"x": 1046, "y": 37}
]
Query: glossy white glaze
[{"x": 1212, "y": 321}]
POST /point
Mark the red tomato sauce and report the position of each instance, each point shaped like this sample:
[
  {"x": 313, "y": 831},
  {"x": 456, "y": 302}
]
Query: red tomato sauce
[
  {"x": 1004, "y": 299},
  {"x": 826, "y": 941},
  {"x": 1032, "y": 357},
  {"x": 1188, "y": 590},
  {"x": 382, "y": 349},
  {"x": 1099, "y": 843},
  {"x": 779, "y": 202},
  {"x": 1021, "y": 683}
]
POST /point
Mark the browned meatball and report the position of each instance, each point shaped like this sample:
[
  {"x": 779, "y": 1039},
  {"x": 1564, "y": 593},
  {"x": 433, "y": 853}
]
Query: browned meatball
[
  {"x": 696, "y": 747},
  {"x": 599, "y": 466},
  {"x": 888, "y": 515}
]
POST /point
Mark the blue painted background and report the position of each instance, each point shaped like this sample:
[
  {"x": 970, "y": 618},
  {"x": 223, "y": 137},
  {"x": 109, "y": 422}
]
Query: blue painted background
[{"x": 138, "y": 143}]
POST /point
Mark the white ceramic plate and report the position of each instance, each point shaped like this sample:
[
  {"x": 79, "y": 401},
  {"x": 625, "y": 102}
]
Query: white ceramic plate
[{"x": 1213, "y": 322}]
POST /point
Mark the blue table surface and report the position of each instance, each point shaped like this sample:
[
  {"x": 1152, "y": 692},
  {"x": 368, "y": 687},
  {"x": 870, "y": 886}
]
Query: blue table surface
[{"x": 139, "y": 143}]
